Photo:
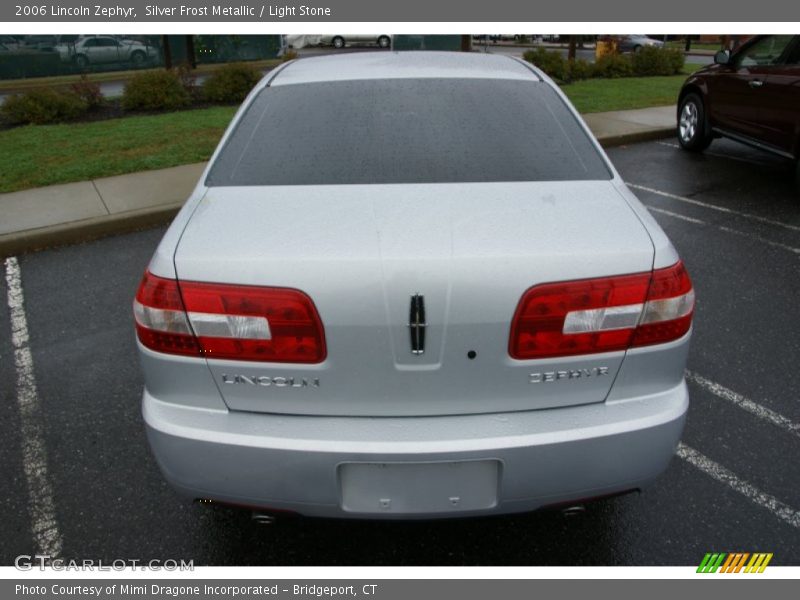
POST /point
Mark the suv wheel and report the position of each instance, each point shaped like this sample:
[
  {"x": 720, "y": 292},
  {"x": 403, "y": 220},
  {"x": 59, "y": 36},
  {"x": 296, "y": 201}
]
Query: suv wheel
[
  {"x": 384, "y": 41},
  {"x": 338, "y": 42},
  {"x": 692, "y": 130},
  {"x": 81, "y": 61}
]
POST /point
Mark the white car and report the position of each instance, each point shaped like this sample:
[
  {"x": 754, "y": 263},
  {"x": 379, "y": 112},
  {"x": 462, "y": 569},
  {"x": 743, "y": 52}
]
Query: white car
[
  {"x": 340, "y": 41},
  {"x": 360, "y": 313},
  {"x": 105, "y": 49}
]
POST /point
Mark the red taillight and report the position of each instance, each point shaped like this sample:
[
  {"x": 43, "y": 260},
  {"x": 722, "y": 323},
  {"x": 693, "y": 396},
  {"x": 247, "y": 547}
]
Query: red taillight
[
  {"x": 669, "y": 308},
  {"x": 161, "y": 322},
  {"x": 602, "y": 315},
  {"x": 228, "y": 321}
]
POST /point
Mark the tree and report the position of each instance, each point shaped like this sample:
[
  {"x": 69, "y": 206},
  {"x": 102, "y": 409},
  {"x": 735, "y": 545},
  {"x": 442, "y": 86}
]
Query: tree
[{"x": 573, "y": 48}]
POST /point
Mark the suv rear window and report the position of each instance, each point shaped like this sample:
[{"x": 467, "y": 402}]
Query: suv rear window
[{"x": 406, "y": 131}]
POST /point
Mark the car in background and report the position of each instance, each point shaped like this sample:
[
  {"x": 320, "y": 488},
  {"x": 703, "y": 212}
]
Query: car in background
[
  {"x": 10, "y": 42},
  {"x": 46, "y": 43},
  {"x": 356, "y": 39},
  {"x": 634, "y": 43},
  {"x": 360, "y": 313},
  {"x": 106, "y": 49},
  {"x": 751, "y": 95}
]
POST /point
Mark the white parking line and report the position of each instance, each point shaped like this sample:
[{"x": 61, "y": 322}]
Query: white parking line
[
  {"x": 676, "y": 215},
  {"x": 34, "y": 454},
  {"x": 743, "y": 159},
  {"x": 757, "y": 238},
  {"x": 723, "y": 475},
  {"x": 713, "y": 207},
  {"x": 762, "y": 412}
]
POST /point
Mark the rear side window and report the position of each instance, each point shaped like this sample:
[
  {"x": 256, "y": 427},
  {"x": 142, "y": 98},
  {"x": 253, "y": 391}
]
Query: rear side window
[{"x": 407, "y": 131}]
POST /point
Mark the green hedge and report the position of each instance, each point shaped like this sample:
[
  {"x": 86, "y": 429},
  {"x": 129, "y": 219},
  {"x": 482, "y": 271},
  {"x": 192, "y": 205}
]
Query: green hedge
[
  {"x": 611, "y": 66},
  {"x": 231, "y": 83},
  {"x": 155, "y": 90},
  {"x": 44, "y": 105},
  {"x": 649, "y": 61}
]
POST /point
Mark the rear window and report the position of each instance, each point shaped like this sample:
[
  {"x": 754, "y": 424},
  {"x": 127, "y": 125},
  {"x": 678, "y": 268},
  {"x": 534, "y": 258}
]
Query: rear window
[{"x": 407, "y": 131}]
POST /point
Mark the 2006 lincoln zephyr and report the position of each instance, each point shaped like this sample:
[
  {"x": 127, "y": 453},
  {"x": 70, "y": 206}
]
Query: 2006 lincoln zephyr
[{"x": 412, "y": 285}]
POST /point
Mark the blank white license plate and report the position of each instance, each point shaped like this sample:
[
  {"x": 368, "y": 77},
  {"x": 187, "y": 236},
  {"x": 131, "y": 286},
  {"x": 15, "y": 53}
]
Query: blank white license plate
[{"x": 419, "y": 487}]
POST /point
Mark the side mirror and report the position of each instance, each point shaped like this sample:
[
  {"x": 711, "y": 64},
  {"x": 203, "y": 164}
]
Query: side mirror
[{"x": 723, "y": 57}]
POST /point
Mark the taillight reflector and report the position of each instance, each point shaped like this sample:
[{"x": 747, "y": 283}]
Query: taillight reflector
[
  {"x": 602, "y": 315},
  {"x": 228, "y": 321}
]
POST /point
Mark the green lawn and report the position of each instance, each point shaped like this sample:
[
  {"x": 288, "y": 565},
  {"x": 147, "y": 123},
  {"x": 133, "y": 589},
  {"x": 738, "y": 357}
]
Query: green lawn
[
  {"x": 600, "y": 95},
  {"x": 19, "y": 85},
  {"x": 38, "y": 155}
]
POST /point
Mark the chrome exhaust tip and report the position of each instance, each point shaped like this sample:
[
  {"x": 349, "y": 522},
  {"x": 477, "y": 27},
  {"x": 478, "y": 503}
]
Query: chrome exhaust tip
[
  {"x": 573, "y": 510},
  {"x": 262, "y": 518}
]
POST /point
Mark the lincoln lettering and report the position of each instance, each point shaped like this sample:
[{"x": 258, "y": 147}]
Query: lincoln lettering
[
  {"x": 266, "y": 381},
  {"x": 566, "y": 375}
]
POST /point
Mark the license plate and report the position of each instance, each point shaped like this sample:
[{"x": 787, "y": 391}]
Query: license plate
[{"x": 435, "y": 487}]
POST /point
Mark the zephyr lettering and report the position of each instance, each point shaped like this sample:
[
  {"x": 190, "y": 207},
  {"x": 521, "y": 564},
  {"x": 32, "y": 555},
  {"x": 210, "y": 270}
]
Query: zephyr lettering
[
  {"x": 266, "y": 381},
  {"x": 566, "y": 375}
]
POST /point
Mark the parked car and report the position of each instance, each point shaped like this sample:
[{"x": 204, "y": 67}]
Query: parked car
[
  {"x": 359, "y": 39},
  {"x": 40, "y": 42},
  {"x": 751, "y": 95},
  {"x": 634, "y": 43},
  {"x": 10, "y": 42},
  {"x": 102, "y": 49},
  {"x": 360, "y": 313}
]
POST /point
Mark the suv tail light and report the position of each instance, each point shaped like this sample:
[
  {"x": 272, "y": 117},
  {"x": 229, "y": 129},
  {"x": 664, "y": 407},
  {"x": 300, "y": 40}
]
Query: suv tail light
[
  {"x": 602, "y": 315},
  {"x": 228, "y": 321}
]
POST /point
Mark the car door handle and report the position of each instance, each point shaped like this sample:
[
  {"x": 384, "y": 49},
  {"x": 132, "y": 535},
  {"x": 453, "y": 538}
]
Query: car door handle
[{"x": 755, "y": 83}]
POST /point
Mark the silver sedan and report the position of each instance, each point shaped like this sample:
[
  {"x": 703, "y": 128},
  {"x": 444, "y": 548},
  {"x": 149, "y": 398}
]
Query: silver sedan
[
  {"x": 361, "y": 312},
  {"x": 361, "y": 39}
]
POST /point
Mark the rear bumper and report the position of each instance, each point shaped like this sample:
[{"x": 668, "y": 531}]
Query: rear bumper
[{"x": 295, "y": 462}]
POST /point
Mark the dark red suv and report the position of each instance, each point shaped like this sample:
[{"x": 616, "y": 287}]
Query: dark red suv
[{"x": 751, "y": 95}]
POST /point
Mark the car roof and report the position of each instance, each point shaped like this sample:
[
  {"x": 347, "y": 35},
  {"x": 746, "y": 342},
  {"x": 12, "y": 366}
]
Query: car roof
[{"x": 401, "y": 65}]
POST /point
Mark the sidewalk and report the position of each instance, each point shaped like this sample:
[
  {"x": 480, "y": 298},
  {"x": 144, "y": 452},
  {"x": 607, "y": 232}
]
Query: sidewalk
[{"x": 73, "y": 212}]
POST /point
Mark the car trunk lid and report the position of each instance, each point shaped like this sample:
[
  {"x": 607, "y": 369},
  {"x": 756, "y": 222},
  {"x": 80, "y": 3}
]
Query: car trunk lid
[{"x": 371, "y": 256}]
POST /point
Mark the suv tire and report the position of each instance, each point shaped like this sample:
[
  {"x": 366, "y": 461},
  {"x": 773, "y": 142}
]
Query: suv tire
[{"x": 693, "y": 133}]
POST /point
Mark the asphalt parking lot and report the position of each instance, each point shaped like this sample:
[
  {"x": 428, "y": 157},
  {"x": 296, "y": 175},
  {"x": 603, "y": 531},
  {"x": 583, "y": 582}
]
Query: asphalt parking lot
[{"x": 78, "y": 476}]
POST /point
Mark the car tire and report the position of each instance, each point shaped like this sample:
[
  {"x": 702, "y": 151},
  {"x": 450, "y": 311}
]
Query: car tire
[
  {"x": 81, "y": 61},
  {"x": 693, "y": 133},
  {"x": 637, "y": 49},
  {"x": 338, "y": 42},
  {"x": 384, "y": 41},
  {"x": 138, "y": 59}
]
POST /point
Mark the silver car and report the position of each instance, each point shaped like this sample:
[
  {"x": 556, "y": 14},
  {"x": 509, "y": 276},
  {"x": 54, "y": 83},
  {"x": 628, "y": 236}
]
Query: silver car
[
  {"x": 104, "y": 49},
  {"x": 340, "y": 41},
  {"x": 635, "y": 42},
  {"x": 360, "y": 312}
]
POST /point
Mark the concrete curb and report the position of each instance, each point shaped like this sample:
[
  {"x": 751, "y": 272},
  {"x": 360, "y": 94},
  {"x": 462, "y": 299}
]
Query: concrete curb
[
  {"x": 636, "y": 137},
  {"x": 86, "y": 229},
  {"x": 96, "y": 227}
]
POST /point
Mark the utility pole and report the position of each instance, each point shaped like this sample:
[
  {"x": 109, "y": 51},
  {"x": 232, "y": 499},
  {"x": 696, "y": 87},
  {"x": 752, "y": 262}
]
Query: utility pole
[
  {"x": 190, "y": 57},
  {"x": 167, "y": 52}
]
